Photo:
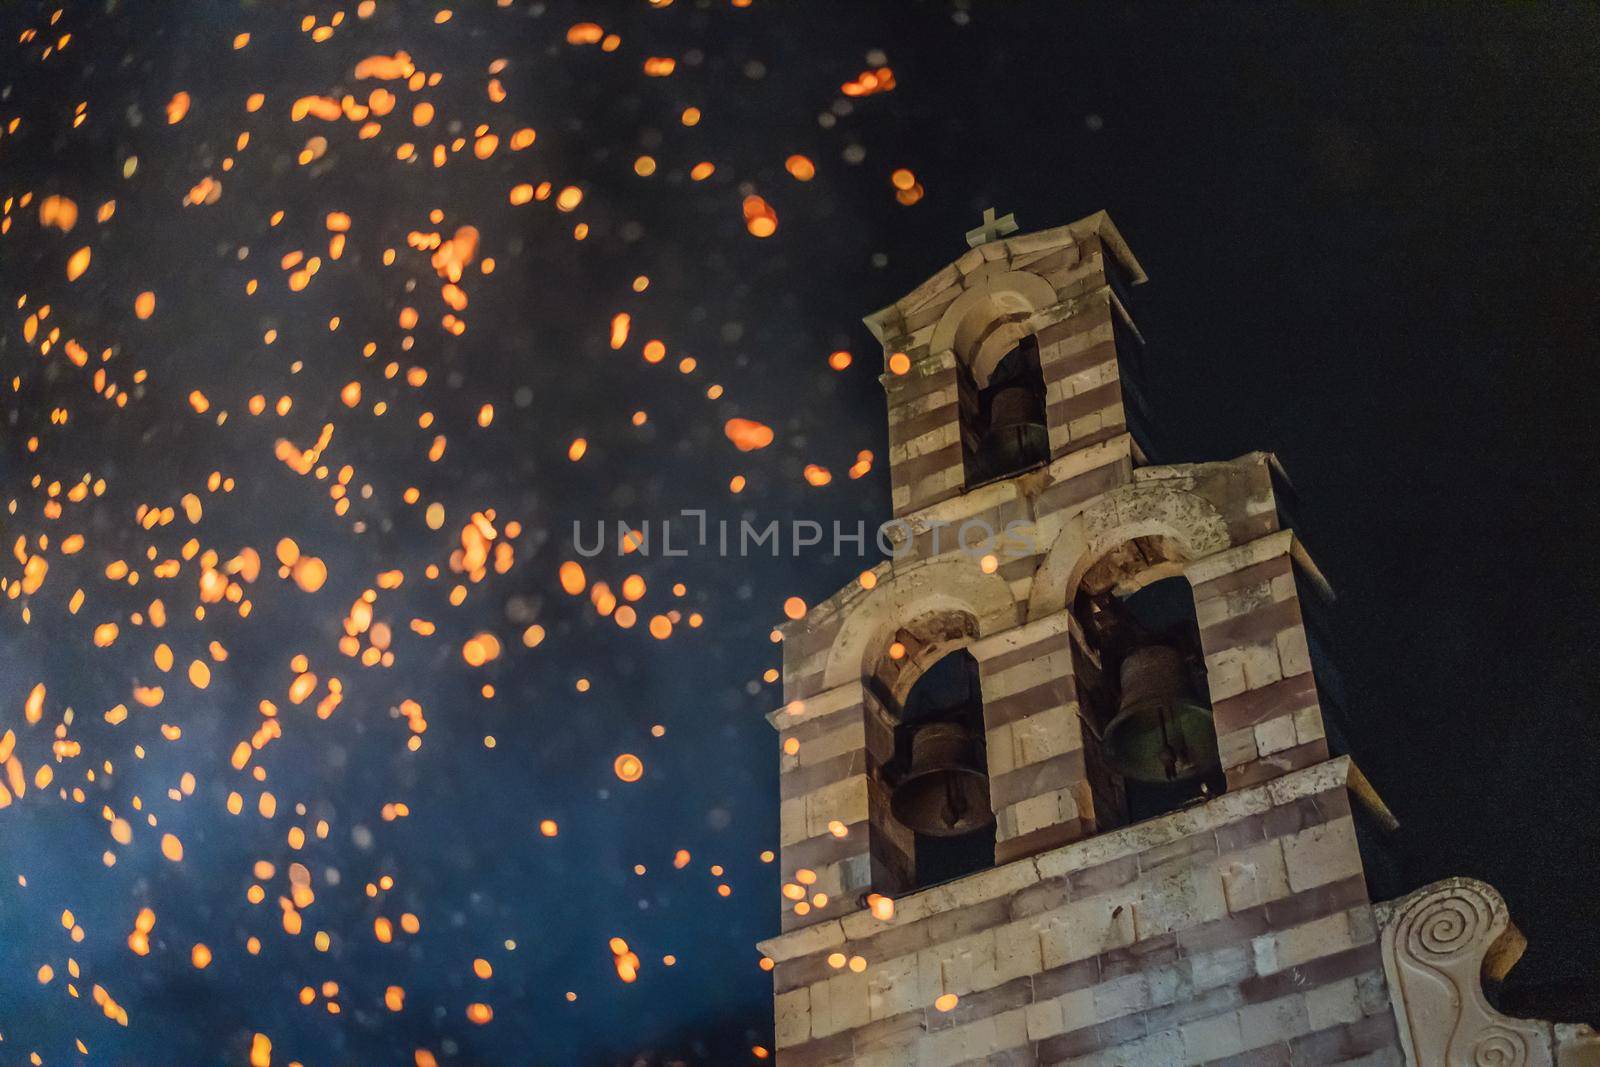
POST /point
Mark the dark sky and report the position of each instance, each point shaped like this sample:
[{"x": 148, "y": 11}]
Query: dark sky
[{"x": 1372, "y": 244}]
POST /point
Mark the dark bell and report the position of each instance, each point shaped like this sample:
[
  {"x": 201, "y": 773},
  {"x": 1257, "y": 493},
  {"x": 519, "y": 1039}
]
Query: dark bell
[
  {"x": 1017, "y": 437},
  {"x": 1160, "y": 733},
  {"x": 946, "y": 791}
]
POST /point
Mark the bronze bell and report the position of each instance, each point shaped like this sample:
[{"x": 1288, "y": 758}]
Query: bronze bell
[
  {"x": 945, "y": 793},
  {"x": 1017, "y": 437},
  {"x": 1160, "y": 733}
]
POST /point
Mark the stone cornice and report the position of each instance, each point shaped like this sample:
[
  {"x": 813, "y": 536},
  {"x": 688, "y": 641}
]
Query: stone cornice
[{"x": 1008, "y": 878}]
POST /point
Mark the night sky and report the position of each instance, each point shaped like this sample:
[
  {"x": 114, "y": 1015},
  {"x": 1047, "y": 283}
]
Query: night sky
[{"x": 1374, "y": 250}]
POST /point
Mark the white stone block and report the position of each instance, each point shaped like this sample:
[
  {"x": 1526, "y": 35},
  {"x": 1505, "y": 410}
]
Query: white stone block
[
  {"x": 1158, "y": 1050},
  {"x": 1090, "y": 378},
  {"x": 1308, "y": 725},
  {"x": 1237, "y": 747},
  {"x": 1179, "y": 900},
  {"x": 1322, "y": 854},
  {"x": 1251, "y": 877},
  {"x": 1088, "y": 927},
  {"x": 1265, "y": 950},
  {"x": 1212, "y": 1039},
  {"x": 1169, "y": 984},
  {"x": 978, "y": 1040},
  {"x": 1047, "y": 733},
  {"x": 1225, "y": 966},
  {"x": 1045, "y": 1019},
  {"x": 901, "y": 1055},
  {"x": 848, "y": 1006},
  {"x": 1273, "y": 1021},
  {"x": 832, "y": 744},
  {"x": 792, "y": 821},
  {"x": 1016, "y": 951},
  {"x": 1261, "y": 666},
  {"x": 1085, "y": 425},
  {"x": 948, "y": 968},
  {"x": 1233, "y": 603},
  {"x": 1333, "y": 1004},
  {"x": 1011, "y": 1029},
  {"x": 1021, "y": 677},
  {"x": 1294, "y": 654},
  {"x": 1225, "y": 674},
  {"x": 792, "y": 1017},
  {"x": 844, "y": 801},
  {"x": 1122, "y": 996},
  {"x": 1372, "y": 992},
  {"x": 1077, "y": 1008},
  {"x": 1046, "y": 809},
  {"x": 1241, "y": 885},
  {"x": 1318, "y": 778},
  {"x": 893, "y": 987},
  {"x": 1275, "y": 735}
]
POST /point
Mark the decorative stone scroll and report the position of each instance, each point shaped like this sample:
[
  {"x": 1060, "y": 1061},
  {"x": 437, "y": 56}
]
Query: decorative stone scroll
[{"x": 1435, "y": 942}]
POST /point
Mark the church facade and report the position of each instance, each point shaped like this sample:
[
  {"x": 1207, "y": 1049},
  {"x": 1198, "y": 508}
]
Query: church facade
[{"x": 1055, "y": 783}]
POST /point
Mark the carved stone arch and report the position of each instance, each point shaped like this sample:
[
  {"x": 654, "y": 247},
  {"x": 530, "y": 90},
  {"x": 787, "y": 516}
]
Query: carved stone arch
[
  {"x": 1189, "y": 522},
  {"x": 952, "y": 584},
  {"x": 928, "y": 637},
  {"x": 984, "y": 323}
]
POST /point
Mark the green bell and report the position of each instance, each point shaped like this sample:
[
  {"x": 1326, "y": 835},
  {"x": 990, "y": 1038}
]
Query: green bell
[{"x": 1161, "y": 732}]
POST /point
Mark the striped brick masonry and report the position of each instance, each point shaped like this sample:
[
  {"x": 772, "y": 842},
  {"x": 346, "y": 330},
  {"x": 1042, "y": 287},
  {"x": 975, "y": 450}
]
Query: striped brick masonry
[
  {"x": 1034, "y": 739},
  {"x": 1052, "y": 285},
  {"x": 1236, "y": 931},
  {"x": 827, "y": 826},
  {"x": 1239, "y": 932},
  {"x": 1077, "y": 509},
  {"x": 1263, "y": 696}
]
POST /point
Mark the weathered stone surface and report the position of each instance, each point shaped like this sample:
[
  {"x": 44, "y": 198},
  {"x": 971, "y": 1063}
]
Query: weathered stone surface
[
  {"x": 1186, "y": 939},
  {"x": 1237, "y": 931},
  {"x": 1434, "y": 945}
]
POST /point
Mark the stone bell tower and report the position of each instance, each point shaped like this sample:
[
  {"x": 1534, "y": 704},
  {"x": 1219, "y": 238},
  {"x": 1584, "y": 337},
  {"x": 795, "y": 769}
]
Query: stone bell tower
[{"x": 1054, "y": 781}]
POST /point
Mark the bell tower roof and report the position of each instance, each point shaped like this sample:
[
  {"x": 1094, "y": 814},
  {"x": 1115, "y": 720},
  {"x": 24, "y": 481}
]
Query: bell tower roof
[{"x": 994, "y": 242}]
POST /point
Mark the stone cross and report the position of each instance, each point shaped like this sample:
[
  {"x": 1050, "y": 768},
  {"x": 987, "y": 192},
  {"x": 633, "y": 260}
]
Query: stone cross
[{"x": 992, "y": 227}]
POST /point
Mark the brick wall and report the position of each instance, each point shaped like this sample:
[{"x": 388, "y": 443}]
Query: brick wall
[
  {"x": 1263, "y": 695},
  {"x": 1267, "y": 715},
  {"x": 1236, "y": 933},
  {"x": 1034, "y": 739}
]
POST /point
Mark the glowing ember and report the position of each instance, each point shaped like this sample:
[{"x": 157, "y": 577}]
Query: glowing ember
[
  {"x": 628, "y": 767},
  {"x": 748, "y": 435},
  {"x": 290, "y": 587}
]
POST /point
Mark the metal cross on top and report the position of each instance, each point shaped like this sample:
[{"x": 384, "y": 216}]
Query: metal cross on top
[{"x": 992, "y": 227}]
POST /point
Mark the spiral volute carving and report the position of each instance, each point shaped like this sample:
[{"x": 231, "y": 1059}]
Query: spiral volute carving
[
  {"x": 1499, "y": 1046},
  {"x": 1440, "y": 928}
]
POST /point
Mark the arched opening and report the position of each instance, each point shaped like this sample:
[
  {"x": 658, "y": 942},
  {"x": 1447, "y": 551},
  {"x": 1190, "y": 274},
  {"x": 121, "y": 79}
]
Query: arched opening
[
  {"x": 929, "y": 766},
  {"x": 1003, "y": 430},
  {"x": 939, "y": 776},
  {"x": 1150, "y": 746}
]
